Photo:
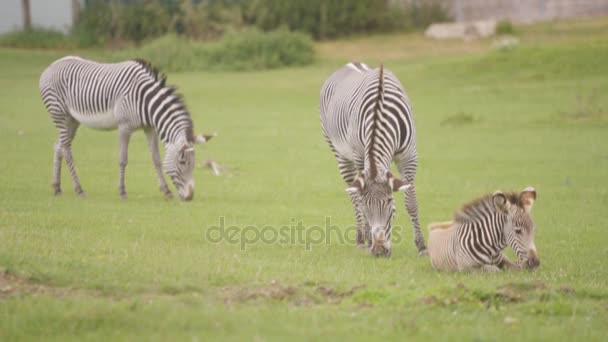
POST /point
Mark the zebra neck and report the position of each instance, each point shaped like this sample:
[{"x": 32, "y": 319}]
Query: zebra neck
[
  {"x": 175, "y": 134},
  {"x": 172, "y": 125},
  {"x": 375, "y": 167}
]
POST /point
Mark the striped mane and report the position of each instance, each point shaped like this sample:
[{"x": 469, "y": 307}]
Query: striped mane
[
  {"x": 374, "y": 124},
  {"x": 474, "y": 210},
  {"x": 152, "y": 70},
  {"x": 177, "y": 98}
]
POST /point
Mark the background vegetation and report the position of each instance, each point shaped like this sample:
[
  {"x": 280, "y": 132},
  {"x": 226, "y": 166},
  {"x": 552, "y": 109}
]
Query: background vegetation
[
  {"x": 237, "y": 35},
  {"x": 104, "y": 269}
]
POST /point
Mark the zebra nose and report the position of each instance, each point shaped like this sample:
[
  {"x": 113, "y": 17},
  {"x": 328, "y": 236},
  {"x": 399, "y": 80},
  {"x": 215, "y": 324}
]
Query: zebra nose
[
  {"x": 189, "y": 194},
  {"x": 533, "y": 261}
]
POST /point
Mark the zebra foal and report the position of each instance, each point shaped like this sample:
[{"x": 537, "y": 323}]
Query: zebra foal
[
  {"x": 367, "y": 121},
  {"x": 125, "y": 96},
  {"x": 481, "y": 230}
]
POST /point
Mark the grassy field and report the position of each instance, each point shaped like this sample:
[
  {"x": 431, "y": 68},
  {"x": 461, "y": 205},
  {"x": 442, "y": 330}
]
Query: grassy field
[{"x": 104, "y": 269}]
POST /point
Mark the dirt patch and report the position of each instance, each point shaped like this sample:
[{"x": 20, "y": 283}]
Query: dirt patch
[
  {"x": 12, "y": 285},
  {"x": 300, "y": 296},
  {"x": 511, "y": 293}
]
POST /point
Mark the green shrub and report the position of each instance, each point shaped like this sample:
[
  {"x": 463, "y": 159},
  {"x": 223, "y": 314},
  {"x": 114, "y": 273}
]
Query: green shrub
[
  {"x": 504, "y": 27},
  {"x": 253, "y": 49},
  {"x": 247, "y": 50},
  {"x": 37, "y": 39}
]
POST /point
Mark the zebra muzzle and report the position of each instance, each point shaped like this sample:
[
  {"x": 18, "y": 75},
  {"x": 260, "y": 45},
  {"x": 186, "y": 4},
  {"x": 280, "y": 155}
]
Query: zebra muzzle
[{"x": 533, "y": 261}]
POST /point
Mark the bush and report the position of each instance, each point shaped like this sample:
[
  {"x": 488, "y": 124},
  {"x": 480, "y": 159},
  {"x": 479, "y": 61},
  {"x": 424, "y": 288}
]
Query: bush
[
  {"x": 253, "y": 49},
  {"x": 248, "y": 50},
  {"x": 37, "y": 39},
  {"x": 504, "y": 27}
]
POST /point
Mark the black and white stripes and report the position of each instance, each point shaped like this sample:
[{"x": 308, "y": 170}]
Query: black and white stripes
[
  {"x": 481, "y": 230},
  {"x": 367, "y": 121},
  {"x": 126, "y": 96}
]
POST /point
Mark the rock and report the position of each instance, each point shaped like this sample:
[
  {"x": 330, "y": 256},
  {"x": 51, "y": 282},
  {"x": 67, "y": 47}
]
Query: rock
[{"x": 463, "y": 30}]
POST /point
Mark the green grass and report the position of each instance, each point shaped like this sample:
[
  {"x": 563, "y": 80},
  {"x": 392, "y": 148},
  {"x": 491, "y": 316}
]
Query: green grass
[{"x": 102, "y": 269}]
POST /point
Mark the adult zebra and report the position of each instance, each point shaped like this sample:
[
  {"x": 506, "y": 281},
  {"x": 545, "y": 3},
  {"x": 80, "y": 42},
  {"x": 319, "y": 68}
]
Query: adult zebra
[
  {"x": 367, "y": 121},
  {"x": 124, "y": 96}
]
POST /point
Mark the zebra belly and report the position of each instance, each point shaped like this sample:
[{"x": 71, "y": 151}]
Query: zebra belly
[
  {"x": 438, "y": 248},
  {"x": 104, "y": 120}
]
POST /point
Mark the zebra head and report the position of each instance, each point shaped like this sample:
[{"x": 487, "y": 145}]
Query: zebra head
[
  {"x": 519, "y": 229},
  {"x": 378, "y": 207},
  {"x": 179, "y": 164}
]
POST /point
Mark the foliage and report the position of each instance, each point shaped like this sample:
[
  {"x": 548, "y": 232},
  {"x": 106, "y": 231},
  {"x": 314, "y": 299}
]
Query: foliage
[
  {"x": 207, "y": 20},
  {"x": 111, "y": 21},
  {"x": 37, "y": 39},
  {"x": 504, "y": 27},
  {"x": 335, "y": 18},
  {"x": 253, "y": 49},
  {"x": 121, "y": 22},
  {"x": 247, "y": 50},
  {"x": 323, "y": 19}
]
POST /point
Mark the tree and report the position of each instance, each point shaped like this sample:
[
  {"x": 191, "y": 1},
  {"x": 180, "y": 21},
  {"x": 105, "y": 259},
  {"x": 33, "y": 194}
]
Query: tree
[
  {"x": 27, "y": 18},
  {"x": 75, "y": 12}
]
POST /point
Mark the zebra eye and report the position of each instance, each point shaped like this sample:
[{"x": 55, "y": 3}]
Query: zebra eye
[{"x": 518, "y": 230}]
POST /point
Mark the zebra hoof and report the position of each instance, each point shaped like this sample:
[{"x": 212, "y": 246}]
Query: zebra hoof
[
  {"x": 123, "y": 197},
  {"x": 361, "y": 246},
  {"x": 423, "y": 253},
  {"x": 81, "y": 194},
  {"x": 58, "y": 192},
  {"x": 168, "y": 195}
]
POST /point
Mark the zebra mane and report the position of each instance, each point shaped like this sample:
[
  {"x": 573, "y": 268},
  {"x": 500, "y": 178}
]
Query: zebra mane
[
  {"x": 152, "y": 70},
  {"x": 377, "y": 109},
  {"x": 472, "y": 211},
  {"x": 178, "y": 99}
]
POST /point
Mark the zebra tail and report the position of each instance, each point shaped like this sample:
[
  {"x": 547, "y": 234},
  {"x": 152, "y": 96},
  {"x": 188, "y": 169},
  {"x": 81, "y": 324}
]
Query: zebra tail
[{"x": 381, "y": 86}]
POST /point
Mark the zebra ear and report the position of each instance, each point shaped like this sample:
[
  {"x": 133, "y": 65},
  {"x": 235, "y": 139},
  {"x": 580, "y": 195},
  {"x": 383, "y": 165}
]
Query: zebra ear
[
  {"x": 203, "y": 138},
  {"x": 396, "y": 184},
  {"x": 356, "y": 186},
  {"x": 527, "y": 198},
  {"x": 500, "y": 200}
]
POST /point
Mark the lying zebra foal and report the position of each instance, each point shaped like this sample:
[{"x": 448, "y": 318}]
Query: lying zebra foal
[
  {"x": 482, "y": 229},
  {"x": 125, "y": 96}
]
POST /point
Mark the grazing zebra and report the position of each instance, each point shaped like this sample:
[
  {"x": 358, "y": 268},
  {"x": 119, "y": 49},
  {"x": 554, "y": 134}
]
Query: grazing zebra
[
  {"x": 482, "y": 229},
  {"x": 124, "y": 96},
  {"x": 367, "y": 121}
]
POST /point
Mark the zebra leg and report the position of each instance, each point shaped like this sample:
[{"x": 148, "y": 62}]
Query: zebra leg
[
  {"x": 490, "y": 268},
  {"x": 66, "y": 137},
  {"x": 504, "y": 263},
  {"x": 407, "y": 170},
  {"x": 57, "y": 160},
  {"x": 153, "y": 146},
  {"x": 348, "y": 173},
  {"x": 124, "y": 135}
]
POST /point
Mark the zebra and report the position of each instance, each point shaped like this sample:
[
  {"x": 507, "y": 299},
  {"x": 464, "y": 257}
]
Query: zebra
[
  {"x": 481, "y": 230},
  {"x": 125, "y": 96},
  {"x": 366, "y": 119}
]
